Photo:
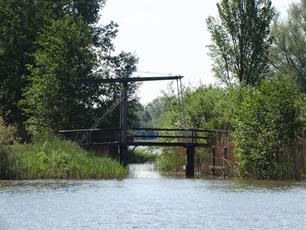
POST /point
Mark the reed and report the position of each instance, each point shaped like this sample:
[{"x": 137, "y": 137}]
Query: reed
[{"x": 52, "y": 158}]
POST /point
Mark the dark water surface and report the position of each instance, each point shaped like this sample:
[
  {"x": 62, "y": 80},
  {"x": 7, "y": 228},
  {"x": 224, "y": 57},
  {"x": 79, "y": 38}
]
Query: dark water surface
[{"x": 147, "y": 200}]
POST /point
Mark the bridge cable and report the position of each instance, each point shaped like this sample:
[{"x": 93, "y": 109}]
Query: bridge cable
[
  {"x": 180, "y": 102},
  {"x": 182, "y": 98},
  {"x": 99, "y": 121}
]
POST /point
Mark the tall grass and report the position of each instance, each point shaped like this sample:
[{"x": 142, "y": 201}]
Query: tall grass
[
  {"x": 174, "y": 161},
  {"x": 51, "y": 158},
  {"x": 170, "y": 161}
]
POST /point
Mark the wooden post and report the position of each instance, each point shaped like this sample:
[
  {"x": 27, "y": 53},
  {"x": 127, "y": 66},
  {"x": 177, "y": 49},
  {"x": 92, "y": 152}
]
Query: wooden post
[
  {"x": 213, "y": 160},
  {"x": 190, "y": 161},
  {"x": 225, "y": 154},
  {"x": 123, "y": 124},
  {"x": 225, "y": 173}
]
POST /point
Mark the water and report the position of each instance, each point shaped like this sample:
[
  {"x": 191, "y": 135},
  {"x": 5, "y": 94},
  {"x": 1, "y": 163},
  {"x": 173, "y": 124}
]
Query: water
[{"x": 147, "y": 200}]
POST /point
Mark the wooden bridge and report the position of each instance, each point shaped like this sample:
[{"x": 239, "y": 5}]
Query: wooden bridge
[
  {"x": 186, "y": 138},
  {"x": 123, "y": 137}
]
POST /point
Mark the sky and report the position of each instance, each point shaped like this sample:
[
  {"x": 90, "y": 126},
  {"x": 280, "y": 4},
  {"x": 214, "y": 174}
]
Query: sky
[{"x": 168, "y": 37}]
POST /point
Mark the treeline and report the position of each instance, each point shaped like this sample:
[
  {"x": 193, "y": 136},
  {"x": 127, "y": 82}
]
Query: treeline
[
  {"x": 261, "y": 63},
  {"x": 45, "y": 48}
]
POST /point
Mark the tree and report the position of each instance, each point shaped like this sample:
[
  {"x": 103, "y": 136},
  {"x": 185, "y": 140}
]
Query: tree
[
  {"x": 45, "y": 46},
  {"x": 52, "y": 99},
  {"x": 288, "y": 53},
  {"x": 20, "y": 24},
  {"x": 241, "y": 40},
  {"x": 122, "y": 65},
  {"x": 268, "y": 129}
]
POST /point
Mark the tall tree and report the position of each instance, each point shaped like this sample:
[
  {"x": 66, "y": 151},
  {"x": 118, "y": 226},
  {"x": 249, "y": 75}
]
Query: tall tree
[
  {"x": 53, "y": 99},
  {"x": 20, "y": 23},
  {"x": 45, "y": 46},
  {"x": 67, "y": 51},
  {"x": 241, "y": 40},
  {"x": 288, "y": 53}
]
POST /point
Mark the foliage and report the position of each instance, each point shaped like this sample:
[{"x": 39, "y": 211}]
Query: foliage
[
  {"x": 205, "y": 107},
  {"x": 288, "y": 53},
  {"x": 119, "y": 66},
  {"x": 52, "y": 99},
  {"x": 45, "y": 46},
  {"x": 240, "y": 40},
  {"x": 170, "y": 161},
  {"x": 268, "y": 125},
  {"x": 51, "y": 158},
  {"x": 175, "y": 161},
  {"x": 19, "y": 23},
  {"x": 141, "y": 156},
  {"x": 8, "y": 134}
]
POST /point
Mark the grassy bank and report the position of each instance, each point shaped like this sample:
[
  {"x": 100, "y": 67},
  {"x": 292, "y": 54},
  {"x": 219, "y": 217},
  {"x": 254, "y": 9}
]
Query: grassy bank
[{"x": 52, "y": 158}]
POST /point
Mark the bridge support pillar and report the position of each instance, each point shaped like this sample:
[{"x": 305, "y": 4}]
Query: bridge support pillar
[
  {"x": 123, "y": 123},
  {"x": 190, "y": 161},
  {"x": 123, "y": 154}
]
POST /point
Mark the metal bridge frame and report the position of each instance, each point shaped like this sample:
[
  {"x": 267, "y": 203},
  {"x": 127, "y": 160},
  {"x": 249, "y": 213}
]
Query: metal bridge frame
[{"x": 192, "y": 140}]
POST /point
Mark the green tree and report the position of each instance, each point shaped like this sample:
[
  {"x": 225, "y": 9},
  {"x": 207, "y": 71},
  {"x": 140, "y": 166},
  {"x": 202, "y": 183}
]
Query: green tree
[
  {"x": 241, "y": 40},
  {"x": 52, "y": 99},
  {"x": 288, "y": 53},
  {"x": 20, "y": 24},
  {"x": 205, "y": 107},
  {"x": 121, "y": 65},
  {"x": 268, "y": 128},
  {"x": 45, "y": 46}
]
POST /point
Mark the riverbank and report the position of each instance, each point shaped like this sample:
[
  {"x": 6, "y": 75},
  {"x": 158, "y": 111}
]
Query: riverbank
[
  {"x": 52, "y": 158},
  {"x": 173, "y": 163}
]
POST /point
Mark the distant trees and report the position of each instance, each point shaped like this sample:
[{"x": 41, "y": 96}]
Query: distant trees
[
  {"x": 45, "y": 46},
  {"x": 241, "y": 40},
  {"x": 288, "y": 53},
  {"x": 205, "y": 107}
]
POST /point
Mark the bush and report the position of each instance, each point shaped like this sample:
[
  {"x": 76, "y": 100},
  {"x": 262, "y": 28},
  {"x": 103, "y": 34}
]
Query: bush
[
  {"x": 171, "y": 161},
  {"x": 268, "y": 127}
]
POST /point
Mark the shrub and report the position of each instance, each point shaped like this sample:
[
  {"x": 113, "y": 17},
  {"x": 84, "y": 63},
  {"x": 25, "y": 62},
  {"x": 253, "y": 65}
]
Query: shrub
[{"x": 268, "y": 127}]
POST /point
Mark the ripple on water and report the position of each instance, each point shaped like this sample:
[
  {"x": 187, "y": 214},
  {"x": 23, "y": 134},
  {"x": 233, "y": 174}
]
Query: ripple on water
[{"x": 147, "y": 200}]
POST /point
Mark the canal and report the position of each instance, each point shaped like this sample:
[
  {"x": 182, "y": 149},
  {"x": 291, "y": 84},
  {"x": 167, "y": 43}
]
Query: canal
[{"x": 147, "y": 200}]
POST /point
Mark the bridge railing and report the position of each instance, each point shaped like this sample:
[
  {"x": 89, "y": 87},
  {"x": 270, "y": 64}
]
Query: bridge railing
[
  {"x": 107, "y": 135},
  {"x": 143, "y": 135},
  {"x": 194, "y": 136}
]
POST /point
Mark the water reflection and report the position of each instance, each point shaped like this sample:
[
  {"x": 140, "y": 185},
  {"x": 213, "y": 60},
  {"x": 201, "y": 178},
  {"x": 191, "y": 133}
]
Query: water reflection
[{"x": 143, "y": 171}]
